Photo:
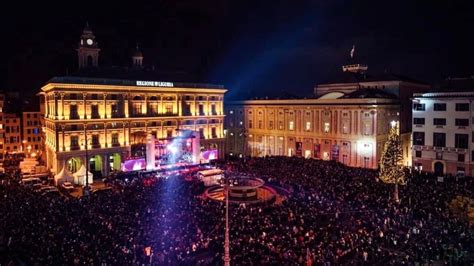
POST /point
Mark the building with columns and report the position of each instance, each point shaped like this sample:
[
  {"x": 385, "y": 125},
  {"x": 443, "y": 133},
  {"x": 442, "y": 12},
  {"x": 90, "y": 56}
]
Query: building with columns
[
  {"x": 110, "y": 116},
  {"x": 349, "y": 130},
  {"x": 106, "y": 114},
  {"x": 348, "y": 120}
]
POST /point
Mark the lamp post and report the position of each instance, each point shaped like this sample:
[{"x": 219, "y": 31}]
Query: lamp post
[
  {"x": 85, "y": 143},
  {"x": 227, "y": 240}
]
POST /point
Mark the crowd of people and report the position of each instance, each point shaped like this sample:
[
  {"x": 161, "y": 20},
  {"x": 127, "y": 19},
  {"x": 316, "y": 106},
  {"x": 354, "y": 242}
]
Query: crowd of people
[{"x": 332, "y": 214}]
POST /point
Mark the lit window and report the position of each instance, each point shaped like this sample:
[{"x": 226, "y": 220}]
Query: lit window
[
  {"x": 326, "y": 127},
  {"x": 291, "y": 126},
  {"x": 308, "y": 126}
]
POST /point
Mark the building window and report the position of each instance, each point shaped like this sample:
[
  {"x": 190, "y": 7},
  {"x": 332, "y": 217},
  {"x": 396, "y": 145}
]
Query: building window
[
  {"x": 169, "y": 109},
  {"x": 462, "y": 107},
  {"x": 280, "y": 125},
  {"x": 270, "y": 124},
  {"x": 115, "y": 139},
  {"x": 439, "y": 139},
  {"x": 95, "y": 141},
  {"x": 462, "y": 122},
  {"x": 418, "y": 154},
  {"x": 200, "y": 109},
  {"x": 169, "y": 133},
  {"x": 472, "y": 156},
  {"x": 94, "y": 96},
  {"x": 418, "y": 121},
  {"x": 260, "y": 124},
  {"x": 439, "y": 121},
  {"x": 95, "y": 111},
  {"x": 419, "y": 106},
  {"x": 201, "y": 133},
  {"x": 291, "y": 125},
  {"x": 308, "y": 126},
  {"x": 250, "y": 124},
  {"x": 326, "y": 127},
  {"x": 137, "y": 108},
  {"x": 73, "y": 112},
  {"x": 74, "y": 142},
  {"x": 439, "y": 107},
  {"x": 461, "y": 141},
  {"x": 461, "y": 157},
  {"x": 213, "y": 109},
  {"x": 213, "y": 133}
]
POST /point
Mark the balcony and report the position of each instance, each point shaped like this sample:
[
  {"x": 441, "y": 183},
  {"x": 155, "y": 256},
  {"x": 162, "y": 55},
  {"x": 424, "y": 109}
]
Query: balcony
[
  {"x": 117, "y": 115},
  {"x": 74, "y": 116},
  {"x": 96, "y": 146},
  {"x": 75, "y": 147},
  {"x": 116, "y": 144}
]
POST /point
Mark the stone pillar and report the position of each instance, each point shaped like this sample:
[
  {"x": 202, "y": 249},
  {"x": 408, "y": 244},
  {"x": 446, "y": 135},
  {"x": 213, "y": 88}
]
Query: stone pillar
[
  {"x": 84, "y": 95},
  {"x": 105, "y": 165},
  {"x": 62, "y": 105},
  {"x": 105, "y": 135},
  {"x": 105, "y": 105},
  {"x": 55, "y": 106},
  {"x": 126, "y": 103},
  {"x": 64, "y": 144}
]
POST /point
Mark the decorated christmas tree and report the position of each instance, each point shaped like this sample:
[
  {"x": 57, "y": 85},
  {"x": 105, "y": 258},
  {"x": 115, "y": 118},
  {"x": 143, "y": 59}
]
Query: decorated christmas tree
[{"x": 391, "y": 167}]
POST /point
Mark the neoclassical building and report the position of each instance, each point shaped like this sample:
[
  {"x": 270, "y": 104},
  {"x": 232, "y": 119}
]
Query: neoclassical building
[
  {"x": 350, "y": 130},
  {"x": 113, "y": 115},
  {"x": 110, "y": 118},
  {"x": 348, "y": 120}
]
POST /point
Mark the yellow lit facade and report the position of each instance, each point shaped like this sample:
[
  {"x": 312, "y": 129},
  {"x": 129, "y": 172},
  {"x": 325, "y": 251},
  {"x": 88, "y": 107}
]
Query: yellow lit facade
[
  {"x": 351, "y": 131},
  {"x": 113, "y": 115}
]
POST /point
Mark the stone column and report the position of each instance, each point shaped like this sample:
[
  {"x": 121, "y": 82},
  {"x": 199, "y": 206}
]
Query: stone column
[
  {"x": 62, "y": 105},
  {"x": 126, "y": 105},
  {"x": 64, "y": 145},
  {"x": 55, "y": 106},
  {"x": 84, "y": 95},
  {"x": 105, "y": 105},
  {"x": 105, "y": 134}
]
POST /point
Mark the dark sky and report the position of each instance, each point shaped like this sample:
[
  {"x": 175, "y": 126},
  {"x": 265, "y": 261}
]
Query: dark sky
[{"x": 252, "y": 47}]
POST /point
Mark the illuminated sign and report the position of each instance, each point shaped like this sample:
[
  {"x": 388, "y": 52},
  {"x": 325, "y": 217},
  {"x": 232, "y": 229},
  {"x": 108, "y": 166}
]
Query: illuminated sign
[{"x": 154, "y": 83}]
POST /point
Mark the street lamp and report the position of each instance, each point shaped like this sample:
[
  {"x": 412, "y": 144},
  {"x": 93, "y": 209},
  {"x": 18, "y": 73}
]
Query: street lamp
[{"x": 85, "y": 143}]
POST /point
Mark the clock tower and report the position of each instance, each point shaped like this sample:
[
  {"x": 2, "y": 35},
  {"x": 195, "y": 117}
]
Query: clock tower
[{"x": 88, "y": 51}]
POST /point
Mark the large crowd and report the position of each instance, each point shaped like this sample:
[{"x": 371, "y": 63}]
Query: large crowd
[{"x": 332, "y": 215}]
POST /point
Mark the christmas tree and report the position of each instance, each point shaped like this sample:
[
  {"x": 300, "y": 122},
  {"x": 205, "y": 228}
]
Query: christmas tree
[{"x": 391, "y": 167}]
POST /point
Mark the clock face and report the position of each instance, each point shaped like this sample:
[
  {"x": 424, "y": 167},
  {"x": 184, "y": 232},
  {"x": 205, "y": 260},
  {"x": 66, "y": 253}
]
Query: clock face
[{"x": 90, "y": 41}]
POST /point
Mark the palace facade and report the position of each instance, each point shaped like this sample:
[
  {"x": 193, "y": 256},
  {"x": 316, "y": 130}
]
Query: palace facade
[
  {"x": 350, "y": 130},
  {"x": 110, "y": 116},
  {"x": 347, "y": 121}
]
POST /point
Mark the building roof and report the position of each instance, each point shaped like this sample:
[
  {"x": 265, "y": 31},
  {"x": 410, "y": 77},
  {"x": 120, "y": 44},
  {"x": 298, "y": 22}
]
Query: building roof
[
  {"x": 369, "y": 94},
  {"x": 130, "y": 82}
]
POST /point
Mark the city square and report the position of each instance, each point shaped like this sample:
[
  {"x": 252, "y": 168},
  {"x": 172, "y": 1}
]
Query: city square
[{"x": 237, "y": 133}]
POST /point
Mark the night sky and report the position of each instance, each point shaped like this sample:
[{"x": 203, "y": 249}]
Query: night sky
[{"x": 258, "y": 48}]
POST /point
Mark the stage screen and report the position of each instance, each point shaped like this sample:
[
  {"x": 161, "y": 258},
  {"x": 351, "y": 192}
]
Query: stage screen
[{"x": 134, "y": 165}]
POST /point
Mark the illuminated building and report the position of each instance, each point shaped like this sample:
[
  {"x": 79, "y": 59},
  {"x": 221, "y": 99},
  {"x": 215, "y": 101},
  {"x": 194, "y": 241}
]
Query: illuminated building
[
  {"x": 32, "y": 130},
  {"x": 2, "y": 127},
  {"x": 114, "y": 116},
  {"x": 442, "y": 132},
  {"x": 348, "y": 121},
  {"x": 13, "y": 142},
  {"x": 349, "y": 130}
]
